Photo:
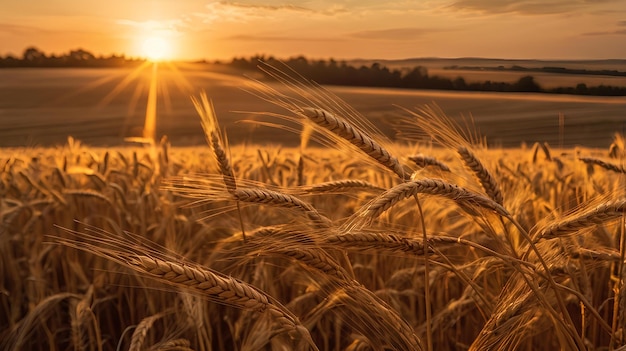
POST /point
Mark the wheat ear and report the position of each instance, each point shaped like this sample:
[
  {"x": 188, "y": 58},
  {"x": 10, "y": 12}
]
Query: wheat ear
[
  {"x": 341, "y": 185},
  {"x": 376, "y": 241},
  {"x": 214, "y": 138},
  {"x": 274, "y": 198},
  {"x": 429, "y": 186},
  {"x": 354, "y": 136},
  {"x": 188, "y": 276},
  {"x": 603, "y": 164},
  {"x": 298, "y": 246},
  {"x": 218, "y": 287},
  {"x": 488, "y": 182},
  {"x": 605, "y": 212},
  {"x": 141, "y": 332},
  {"x": 424, "y": 161}
]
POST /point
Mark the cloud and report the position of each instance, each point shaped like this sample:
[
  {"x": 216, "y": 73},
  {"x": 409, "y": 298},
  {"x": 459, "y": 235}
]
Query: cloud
[
  {"x": 256, "y": 7},
  {"x": 172, "y": 24},
  {"x": 608, "y": 32},
  {"x": 227, "y": 11},
  {"x": 16, "y": 29},
  {"x": 164, "y": 27},
  {"x": 392, "y": 33},
  {"x": 532, "y": 7},
  {"x": 246, "y": 37}
]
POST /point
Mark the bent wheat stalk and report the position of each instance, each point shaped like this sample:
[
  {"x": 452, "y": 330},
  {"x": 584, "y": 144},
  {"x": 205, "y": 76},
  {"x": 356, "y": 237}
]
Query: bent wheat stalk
[
  {"x": 141, "y": 331},
  {"x": 364, "y": 241},
  {"x": 603, "y": 164},
  {"x": 424, "y": 161},
  {"x": 603, "y": 213},
  {"x": 205, "y": 109},
  {"x": 430, "y": 186},
  {"x": 274, "y": 198},
  {"x": 297, "y": 246},
  {"x": 191, "y": 277},
  {"x": 341, "y": 185},
  {"x": 487, "y": 181},
  {"x": 352, "y": 134}
]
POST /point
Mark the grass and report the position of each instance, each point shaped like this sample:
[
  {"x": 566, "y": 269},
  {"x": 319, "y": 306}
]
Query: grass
[{"x": 330, "y": 247}]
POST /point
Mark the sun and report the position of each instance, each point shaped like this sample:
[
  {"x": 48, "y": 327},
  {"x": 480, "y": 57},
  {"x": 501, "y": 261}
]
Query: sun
[{"x": 156, "y": 48}]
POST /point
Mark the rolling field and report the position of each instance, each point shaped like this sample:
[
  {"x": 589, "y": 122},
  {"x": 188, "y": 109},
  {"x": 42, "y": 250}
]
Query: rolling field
[
  {"x": 102, "y": 106},
  {"x": 319, "y": 233}
]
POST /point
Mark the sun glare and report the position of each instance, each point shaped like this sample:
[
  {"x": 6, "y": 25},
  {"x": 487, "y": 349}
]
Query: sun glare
[{"x": 156, "y": 49}]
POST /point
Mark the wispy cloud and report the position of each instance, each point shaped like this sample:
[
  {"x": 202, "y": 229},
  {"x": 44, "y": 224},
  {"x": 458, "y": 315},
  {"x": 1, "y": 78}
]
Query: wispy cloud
[
  {"x": 618, "y": 31},
  {"x": 392, "y": 33},
  {"x": 16, "y": 29},
  {"x": 533, "y": 7},
  {"x": 226, "y": 11},
  {"x": 246, "y": 37},
  {"x": 330, "y": 9},
  {"x": 253, "y": 7},
  {"x": 608, "y": 32},
  {"x": 171, "y": 24},
  {"x": 170, "y": 27}
]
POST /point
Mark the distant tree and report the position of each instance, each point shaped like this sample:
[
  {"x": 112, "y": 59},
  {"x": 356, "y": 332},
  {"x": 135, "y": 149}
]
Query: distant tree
[
  {"x": 459, "y": 84},
  {"x": 526, "y": 84},
  {"x": 582, "y": 89},
  {"x": 81, "y": 55},
  {"x": 416, "y": 78},
  {"x": 32, "y": 54}
]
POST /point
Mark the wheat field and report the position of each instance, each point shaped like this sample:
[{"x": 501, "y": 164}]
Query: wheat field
[{"x": 348, "y": 242}]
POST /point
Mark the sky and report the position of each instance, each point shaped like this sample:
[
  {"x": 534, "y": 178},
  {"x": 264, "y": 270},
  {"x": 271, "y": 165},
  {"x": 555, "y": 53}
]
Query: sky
[{"x": 321, "y": 29}]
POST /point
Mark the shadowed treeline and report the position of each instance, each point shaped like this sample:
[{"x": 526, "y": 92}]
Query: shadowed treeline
[
  {"x": 547, "y": 69},
  {"x": 33, "y": 57},
  {"x": 329, "y": 72},
  {"x": 332, "y": 72}
]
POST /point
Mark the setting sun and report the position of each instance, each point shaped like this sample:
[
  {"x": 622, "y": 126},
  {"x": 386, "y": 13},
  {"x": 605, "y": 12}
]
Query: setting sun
[{"x": 156, "y": 49}]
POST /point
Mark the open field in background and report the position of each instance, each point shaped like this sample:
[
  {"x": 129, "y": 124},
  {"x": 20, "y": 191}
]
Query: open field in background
[{"x": 44, "y": 106}]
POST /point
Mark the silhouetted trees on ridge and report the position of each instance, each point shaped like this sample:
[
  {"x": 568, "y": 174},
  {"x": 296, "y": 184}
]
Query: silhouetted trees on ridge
[
  {"x": 330, "y": 72},
  {"x": 33, "y": 57}
]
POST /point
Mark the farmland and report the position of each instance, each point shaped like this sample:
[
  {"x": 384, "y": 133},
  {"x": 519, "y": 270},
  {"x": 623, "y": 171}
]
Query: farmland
[{"x": 318, "y": 232}]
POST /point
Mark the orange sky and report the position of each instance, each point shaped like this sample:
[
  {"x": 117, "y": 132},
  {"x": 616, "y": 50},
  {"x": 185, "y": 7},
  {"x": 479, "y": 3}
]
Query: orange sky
[{"x": 546, "y": 29}]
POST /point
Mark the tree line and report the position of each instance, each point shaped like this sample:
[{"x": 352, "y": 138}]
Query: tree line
[
  {"x": 329, "y": 72},
  {"x": 547, "y": 69},
  {"x": 333, "y": 72},
  {"x": 33, "y": 57}
]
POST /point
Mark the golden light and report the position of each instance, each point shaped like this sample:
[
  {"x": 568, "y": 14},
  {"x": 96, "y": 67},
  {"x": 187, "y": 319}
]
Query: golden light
[{"x": 156, "y": 49}]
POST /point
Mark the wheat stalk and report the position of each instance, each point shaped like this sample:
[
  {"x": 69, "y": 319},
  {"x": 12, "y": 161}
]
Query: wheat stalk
[
  {"x": 354, "y": 136},
  {"x": 364, "y": 240},
  {"x": 298, "y": 246},
  {"x": 214, "y": 138},
  {"x": 603, "y": 164},
  {"x": 424, "y": 161},
  {"x": 172, "y": 345},
  {"x": 278, "y": 199},
  {"x": 488, "y": 182},
  {"x": 188, "y": 276},
  {"x": 429, "y": 186},
  {"x": 602, "y": 213},
  {"x": 141, "y": 331},
  {"x": 341, "y": 186},
  {"x": 389, "y": 329}
]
